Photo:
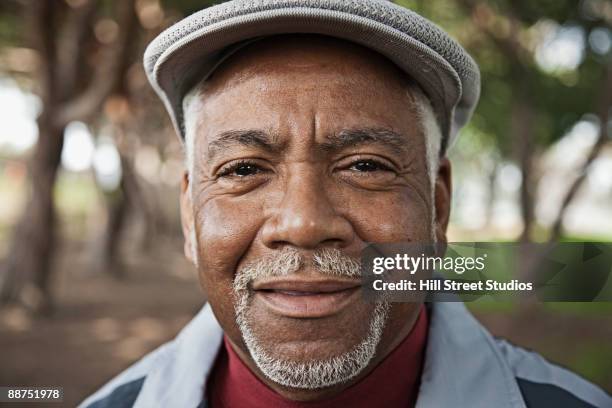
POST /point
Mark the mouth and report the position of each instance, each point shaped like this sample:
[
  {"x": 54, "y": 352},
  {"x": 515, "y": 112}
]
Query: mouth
[{"x": 306, "y": 298}]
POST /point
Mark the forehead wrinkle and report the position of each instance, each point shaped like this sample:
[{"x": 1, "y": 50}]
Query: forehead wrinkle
[
  {"x": 301, "y": 54},
  {"x": 244, "y": 137},
  {"x": 360, "y": 136}
]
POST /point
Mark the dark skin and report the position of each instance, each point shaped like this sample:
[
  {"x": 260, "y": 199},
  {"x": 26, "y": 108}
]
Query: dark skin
[{"x": 281, "y": 160}]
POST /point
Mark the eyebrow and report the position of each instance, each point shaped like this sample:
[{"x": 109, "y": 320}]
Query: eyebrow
[
  {"x": 360, "y": 136},
  {"x": 248, "y": 137},
  {"x": 335, "y": 142}
]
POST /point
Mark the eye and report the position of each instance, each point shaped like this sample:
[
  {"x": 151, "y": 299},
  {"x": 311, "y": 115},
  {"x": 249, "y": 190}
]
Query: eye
[
  {"x": 240, "y": 169},
  {"x": 366, "y": 166}
]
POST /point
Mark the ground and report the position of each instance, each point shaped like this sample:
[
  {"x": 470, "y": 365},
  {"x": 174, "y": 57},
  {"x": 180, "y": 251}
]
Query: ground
[{"x": 100, "y": 325}]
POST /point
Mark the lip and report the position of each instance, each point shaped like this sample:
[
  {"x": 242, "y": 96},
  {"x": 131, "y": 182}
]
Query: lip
[{"x": 306, "y": 298}]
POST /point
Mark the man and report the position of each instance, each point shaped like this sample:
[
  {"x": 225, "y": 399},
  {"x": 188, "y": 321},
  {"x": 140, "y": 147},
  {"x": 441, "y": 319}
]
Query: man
[{"x": 312, "y": 128}]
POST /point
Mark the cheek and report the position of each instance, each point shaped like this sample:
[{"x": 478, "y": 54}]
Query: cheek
[
  {"x": 396, "y": 216},
  {"x": 226, "y": 228}
]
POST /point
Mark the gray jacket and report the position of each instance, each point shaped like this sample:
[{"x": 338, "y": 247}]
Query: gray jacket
[{"x": 464, "y": 367}]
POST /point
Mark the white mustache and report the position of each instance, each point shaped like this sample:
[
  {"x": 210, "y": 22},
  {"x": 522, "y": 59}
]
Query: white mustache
[{"x": 327, "y": 261}]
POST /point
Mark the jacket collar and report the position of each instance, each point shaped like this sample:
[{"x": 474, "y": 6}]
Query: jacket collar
[
  {"x": 463, "y": 365},
  {"x": 178, "y": 380}
]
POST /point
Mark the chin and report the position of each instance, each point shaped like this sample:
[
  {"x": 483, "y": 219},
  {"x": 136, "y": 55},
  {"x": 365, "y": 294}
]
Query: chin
[
  {"x": 309, "y": 338},
  {"x": 313, "y": 353}
]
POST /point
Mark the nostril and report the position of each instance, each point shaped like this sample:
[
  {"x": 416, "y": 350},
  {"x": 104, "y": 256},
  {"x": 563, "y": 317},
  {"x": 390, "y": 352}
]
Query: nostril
[
  {"x": 279, "y": 244},
  {"x": 333, "y": 243}
]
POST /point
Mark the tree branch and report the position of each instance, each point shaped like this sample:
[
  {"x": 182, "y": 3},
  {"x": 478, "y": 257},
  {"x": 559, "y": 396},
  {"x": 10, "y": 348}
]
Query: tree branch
[
  {"x": 106, "y": 78},
  {"x": 510, "y": 45},
  {"x": 73, "y": 47},
  {"x": 41, "y": 17},
  {"x": 604, "y": 118}
]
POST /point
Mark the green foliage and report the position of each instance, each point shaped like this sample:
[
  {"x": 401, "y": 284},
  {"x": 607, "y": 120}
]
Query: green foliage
[
  {"x": 558, "y": 99},
  {"x": 10, "y": 35}
]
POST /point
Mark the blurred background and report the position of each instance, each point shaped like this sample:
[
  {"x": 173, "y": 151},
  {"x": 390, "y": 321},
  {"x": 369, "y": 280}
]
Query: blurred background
[{"x": 92, "y": 274}]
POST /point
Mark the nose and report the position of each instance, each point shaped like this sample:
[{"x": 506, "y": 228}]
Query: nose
[{"x": 306, "y": 217}]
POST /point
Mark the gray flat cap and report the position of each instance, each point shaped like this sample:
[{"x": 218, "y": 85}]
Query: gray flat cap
[{"x": 189, "y": 50}]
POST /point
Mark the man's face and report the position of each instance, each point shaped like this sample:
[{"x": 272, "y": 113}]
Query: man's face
[{"x": 305, "y": 145}]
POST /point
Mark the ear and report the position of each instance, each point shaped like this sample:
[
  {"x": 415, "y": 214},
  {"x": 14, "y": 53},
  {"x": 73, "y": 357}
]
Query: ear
[
  {"x": 187, "y": 218},
  {"x": 442, "y": 199}
]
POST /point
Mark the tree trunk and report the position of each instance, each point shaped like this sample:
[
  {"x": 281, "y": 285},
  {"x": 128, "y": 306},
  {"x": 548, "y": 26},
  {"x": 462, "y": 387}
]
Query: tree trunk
[
  {"x": 118, "y": 204},
  {"x": 117, "y": 209},
  {"x": 134, "y": 191},
  {"x": 30, "y": 256},
  {"x": 491, "y": 187},
  {"x": 522, "y": 134},
  {"x": 30, "y": 259}
]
